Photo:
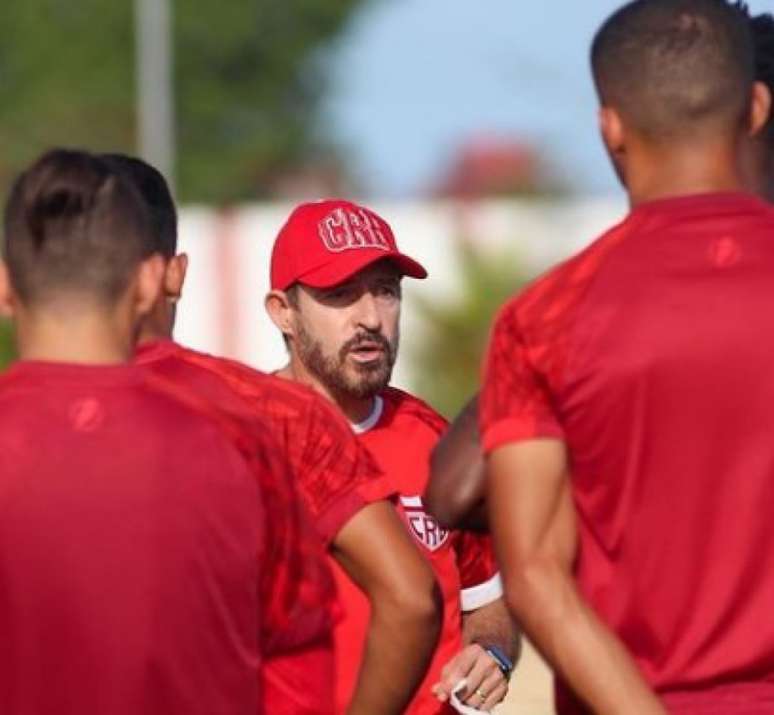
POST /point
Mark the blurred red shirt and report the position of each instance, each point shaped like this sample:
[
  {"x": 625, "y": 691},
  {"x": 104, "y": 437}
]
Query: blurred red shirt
[
  {"x": 131, "y": 540},
  {"x": 335, "y": 478},
  {"x": 649, "y": 355}
]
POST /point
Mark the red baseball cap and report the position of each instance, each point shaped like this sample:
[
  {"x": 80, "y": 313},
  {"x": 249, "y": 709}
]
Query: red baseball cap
[{"x": 326, "y": 242}]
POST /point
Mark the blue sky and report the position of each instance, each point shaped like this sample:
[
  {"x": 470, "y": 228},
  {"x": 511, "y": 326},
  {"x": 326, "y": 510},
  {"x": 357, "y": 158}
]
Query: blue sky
[{"x": 415, "y": 78}]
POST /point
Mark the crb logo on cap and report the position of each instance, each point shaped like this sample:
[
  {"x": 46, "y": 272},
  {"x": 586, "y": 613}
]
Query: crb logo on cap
[
  {"x": 426, "y": 529},
  {"x": 343, "y": 229}
]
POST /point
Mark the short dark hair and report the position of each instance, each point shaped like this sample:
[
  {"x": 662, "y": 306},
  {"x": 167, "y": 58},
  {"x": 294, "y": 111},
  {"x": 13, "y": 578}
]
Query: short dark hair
[
  {"x": 155, "y": 191},
  {"x": 674, "y": 67},
  {"x": 72, "y": 224}
]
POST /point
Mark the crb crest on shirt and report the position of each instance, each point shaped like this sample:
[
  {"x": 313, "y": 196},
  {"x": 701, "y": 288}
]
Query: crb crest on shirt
[{"x": 423, "y": 526}]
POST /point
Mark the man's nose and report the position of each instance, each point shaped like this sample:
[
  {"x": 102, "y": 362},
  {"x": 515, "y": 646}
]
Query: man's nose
[{"x": 368, "y": 315}]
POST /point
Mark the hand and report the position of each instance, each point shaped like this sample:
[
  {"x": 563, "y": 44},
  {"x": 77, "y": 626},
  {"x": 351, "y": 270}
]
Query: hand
[{"x": 486, "y": 685}]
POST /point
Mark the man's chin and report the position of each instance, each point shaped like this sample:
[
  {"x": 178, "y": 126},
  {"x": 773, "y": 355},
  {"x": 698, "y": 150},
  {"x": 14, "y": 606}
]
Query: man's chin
[{"x": 368, "y": 382}]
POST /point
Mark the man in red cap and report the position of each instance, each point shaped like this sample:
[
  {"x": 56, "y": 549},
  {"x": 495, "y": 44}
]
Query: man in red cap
[{"x": 336, "y": 297}]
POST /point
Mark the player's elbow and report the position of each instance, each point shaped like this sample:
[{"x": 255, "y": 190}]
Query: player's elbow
[
  {"x": 416, "y": 606},
  {"x": 530, "y": 581},
  {"x": 443, "y": 504},
  {"x": 452, "y": 493}
]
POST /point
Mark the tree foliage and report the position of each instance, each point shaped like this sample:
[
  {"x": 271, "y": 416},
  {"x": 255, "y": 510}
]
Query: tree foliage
[
  {"x": 248, "y": 75},
  {"x": 448, "y": 360},
  {"x": 6, "y": 344}
]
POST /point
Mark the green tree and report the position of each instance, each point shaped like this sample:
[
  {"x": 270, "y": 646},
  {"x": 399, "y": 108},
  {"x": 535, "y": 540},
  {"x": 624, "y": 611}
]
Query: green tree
[
  {"x": 6, "y": 344},
  {"x": 249, "y": 75},
  {"x": 449, "y": 357}
]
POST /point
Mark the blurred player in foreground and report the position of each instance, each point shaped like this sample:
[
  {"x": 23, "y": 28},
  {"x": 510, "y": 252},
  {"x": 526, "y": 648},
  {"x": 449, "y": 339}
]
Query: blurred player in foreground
[
  {"x": 336, "y": 296},
  {"x": 296, "y": 586},
  {"x": 456, "y": 491},
  {"x": 344, "y": 496},
  {"x": 643, "y": 365},
  {"x": 129, "y": 522}
]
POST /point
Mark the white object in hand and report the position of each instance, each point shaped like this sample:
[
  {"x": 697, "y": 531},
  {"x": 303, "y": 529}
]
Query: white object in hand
[{"x": 459, "y": 706}]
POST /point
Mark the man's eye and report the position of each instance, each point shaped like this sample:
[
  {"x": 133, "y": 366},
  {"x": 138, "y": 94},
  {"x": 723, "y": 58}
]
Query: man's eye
[
  {"x": 388, "y": 291},
  {"x": 339, "y": 293}
]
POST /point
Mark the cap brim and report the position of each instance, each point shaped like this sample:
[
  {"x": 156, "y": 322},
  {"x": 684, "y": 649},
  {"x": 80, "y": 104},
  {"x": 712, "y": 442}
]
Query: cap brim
[{"x": 338, "y": 271}]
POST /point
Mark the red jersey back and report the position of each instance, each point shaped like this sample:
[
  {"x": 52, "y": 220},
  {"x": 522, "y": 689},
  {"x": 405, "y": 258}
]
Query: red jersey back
[
  {"x": 649, "y": 355},
  {"x": 401, "y": 433},
  {"x": 335, "y": 475},
  {"x": 335, "y": 478},
  {"x": 131, "y": 543},
  {"x": 297, "y": 589}
]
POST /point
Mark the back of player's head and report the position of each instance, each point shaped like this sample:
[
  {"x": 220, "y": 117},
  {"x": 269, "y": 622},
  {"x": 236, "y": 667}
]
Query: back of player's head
[
  {"x": 676, "y": 68},
  {"x": 155, "y": 191},
  {"x": 73, "y": 226}
]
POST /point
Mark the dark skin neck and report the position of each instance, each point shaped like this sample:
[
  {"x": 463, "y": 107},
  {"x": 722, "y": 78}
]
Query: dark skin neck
[{"x": 660, "y": 171}]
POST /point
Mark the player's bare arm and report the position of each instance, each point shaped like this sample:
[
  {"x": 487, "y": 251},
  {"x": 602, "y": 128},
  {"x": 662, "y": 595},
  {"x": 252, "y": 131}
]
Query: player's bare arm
[
  {"x": 455, "y": 492},
  {"x": 493, "y": 644},
  {"x": 378, "y": 554},
  {"x": 533, "y": 524}
]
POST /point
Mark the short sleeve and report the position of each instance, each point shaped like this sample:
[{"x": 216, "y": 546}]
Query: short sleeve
[
  {"x": 515, "y": 401},
  {"x": 336, "y": 473}
]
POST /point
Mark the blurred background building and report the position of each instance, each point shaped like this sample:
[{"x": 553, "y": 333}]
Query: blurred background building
[{"x": 471, "y": 127}]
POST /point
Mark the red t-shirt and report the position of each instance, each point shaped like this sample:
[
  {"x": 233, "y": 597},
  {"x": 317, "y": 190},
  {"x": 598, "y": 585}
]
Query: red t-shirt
[
  {"x": 649, "y": 355},
  {"x": 401, "y": 434},
  {"x": 335, "y": 477},
  {"x": 131, "y": 541}
]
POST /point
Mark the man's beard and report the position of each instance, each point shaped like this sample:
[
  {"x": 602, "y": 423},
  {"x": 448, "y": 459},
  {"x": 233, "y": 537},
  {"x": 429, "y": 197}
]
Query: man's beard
[{"x": 348, "y": 378}]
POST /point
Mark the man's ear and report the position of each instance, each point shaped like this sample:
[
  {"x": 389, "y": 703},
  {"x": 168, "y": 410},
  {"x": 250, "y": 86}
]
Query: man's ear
[
  {"x": 612, "y": 130},
  {"x": 174, "y": 277},
  {"x": 149, "y": 279},
  {"x": 7, "y": 301},
  {"x": 760, "y": 107},
  {"x": 280, "y": 311}
]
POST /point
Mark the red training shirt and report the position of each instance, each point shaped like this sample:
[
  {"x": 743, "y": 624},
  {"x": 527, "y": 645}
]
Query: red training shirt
[
  {"x": 131, "y": 544},
  {"x": 401, "y": 433},
  {"x": 649, "y": 354},
  {"x": 335, "y": 478}
]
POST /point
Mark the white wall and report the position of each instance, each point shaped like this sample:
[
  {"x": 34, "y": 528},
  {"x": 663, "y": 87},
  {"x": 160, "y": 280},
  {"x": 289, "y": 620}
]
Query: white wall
[{"x": 222, "y": 307}]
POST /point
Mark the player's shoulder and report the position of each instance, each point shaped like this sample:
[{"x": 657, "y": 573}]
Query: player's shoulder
[
  {"x": 403, "y": 407},
  {"x": 248, "y": 382},
  {"x": 555, "y": 292},
  {"x": 21, "y": 394},
  {"x": 187, "y": 418},
  {"x": 223, "y": 366},
  {"x": 12, "y": 380}
]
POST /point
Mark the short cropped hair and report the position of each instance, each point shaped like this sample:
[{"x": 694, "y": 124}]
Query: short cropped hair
[
  {"x": 674, "y": 67},
  {"x": 73, "y": 225},
  {"x": 155, "y": 191}
]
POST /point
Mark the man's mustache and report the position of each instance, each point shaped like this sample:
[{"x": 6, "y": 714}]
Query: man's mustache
[{"x": 362, "y": 339}]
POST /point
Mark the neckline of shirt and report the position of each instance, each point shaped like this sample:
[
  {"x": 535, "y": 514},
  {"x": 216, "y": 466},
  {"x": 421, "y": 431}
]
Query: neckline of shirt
[
  {"x": 370, "y": 421},
  {"x": 701, "y": 202},
  {"x": 155, "y": 349},
  {"x": 82, "y": 373}
]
